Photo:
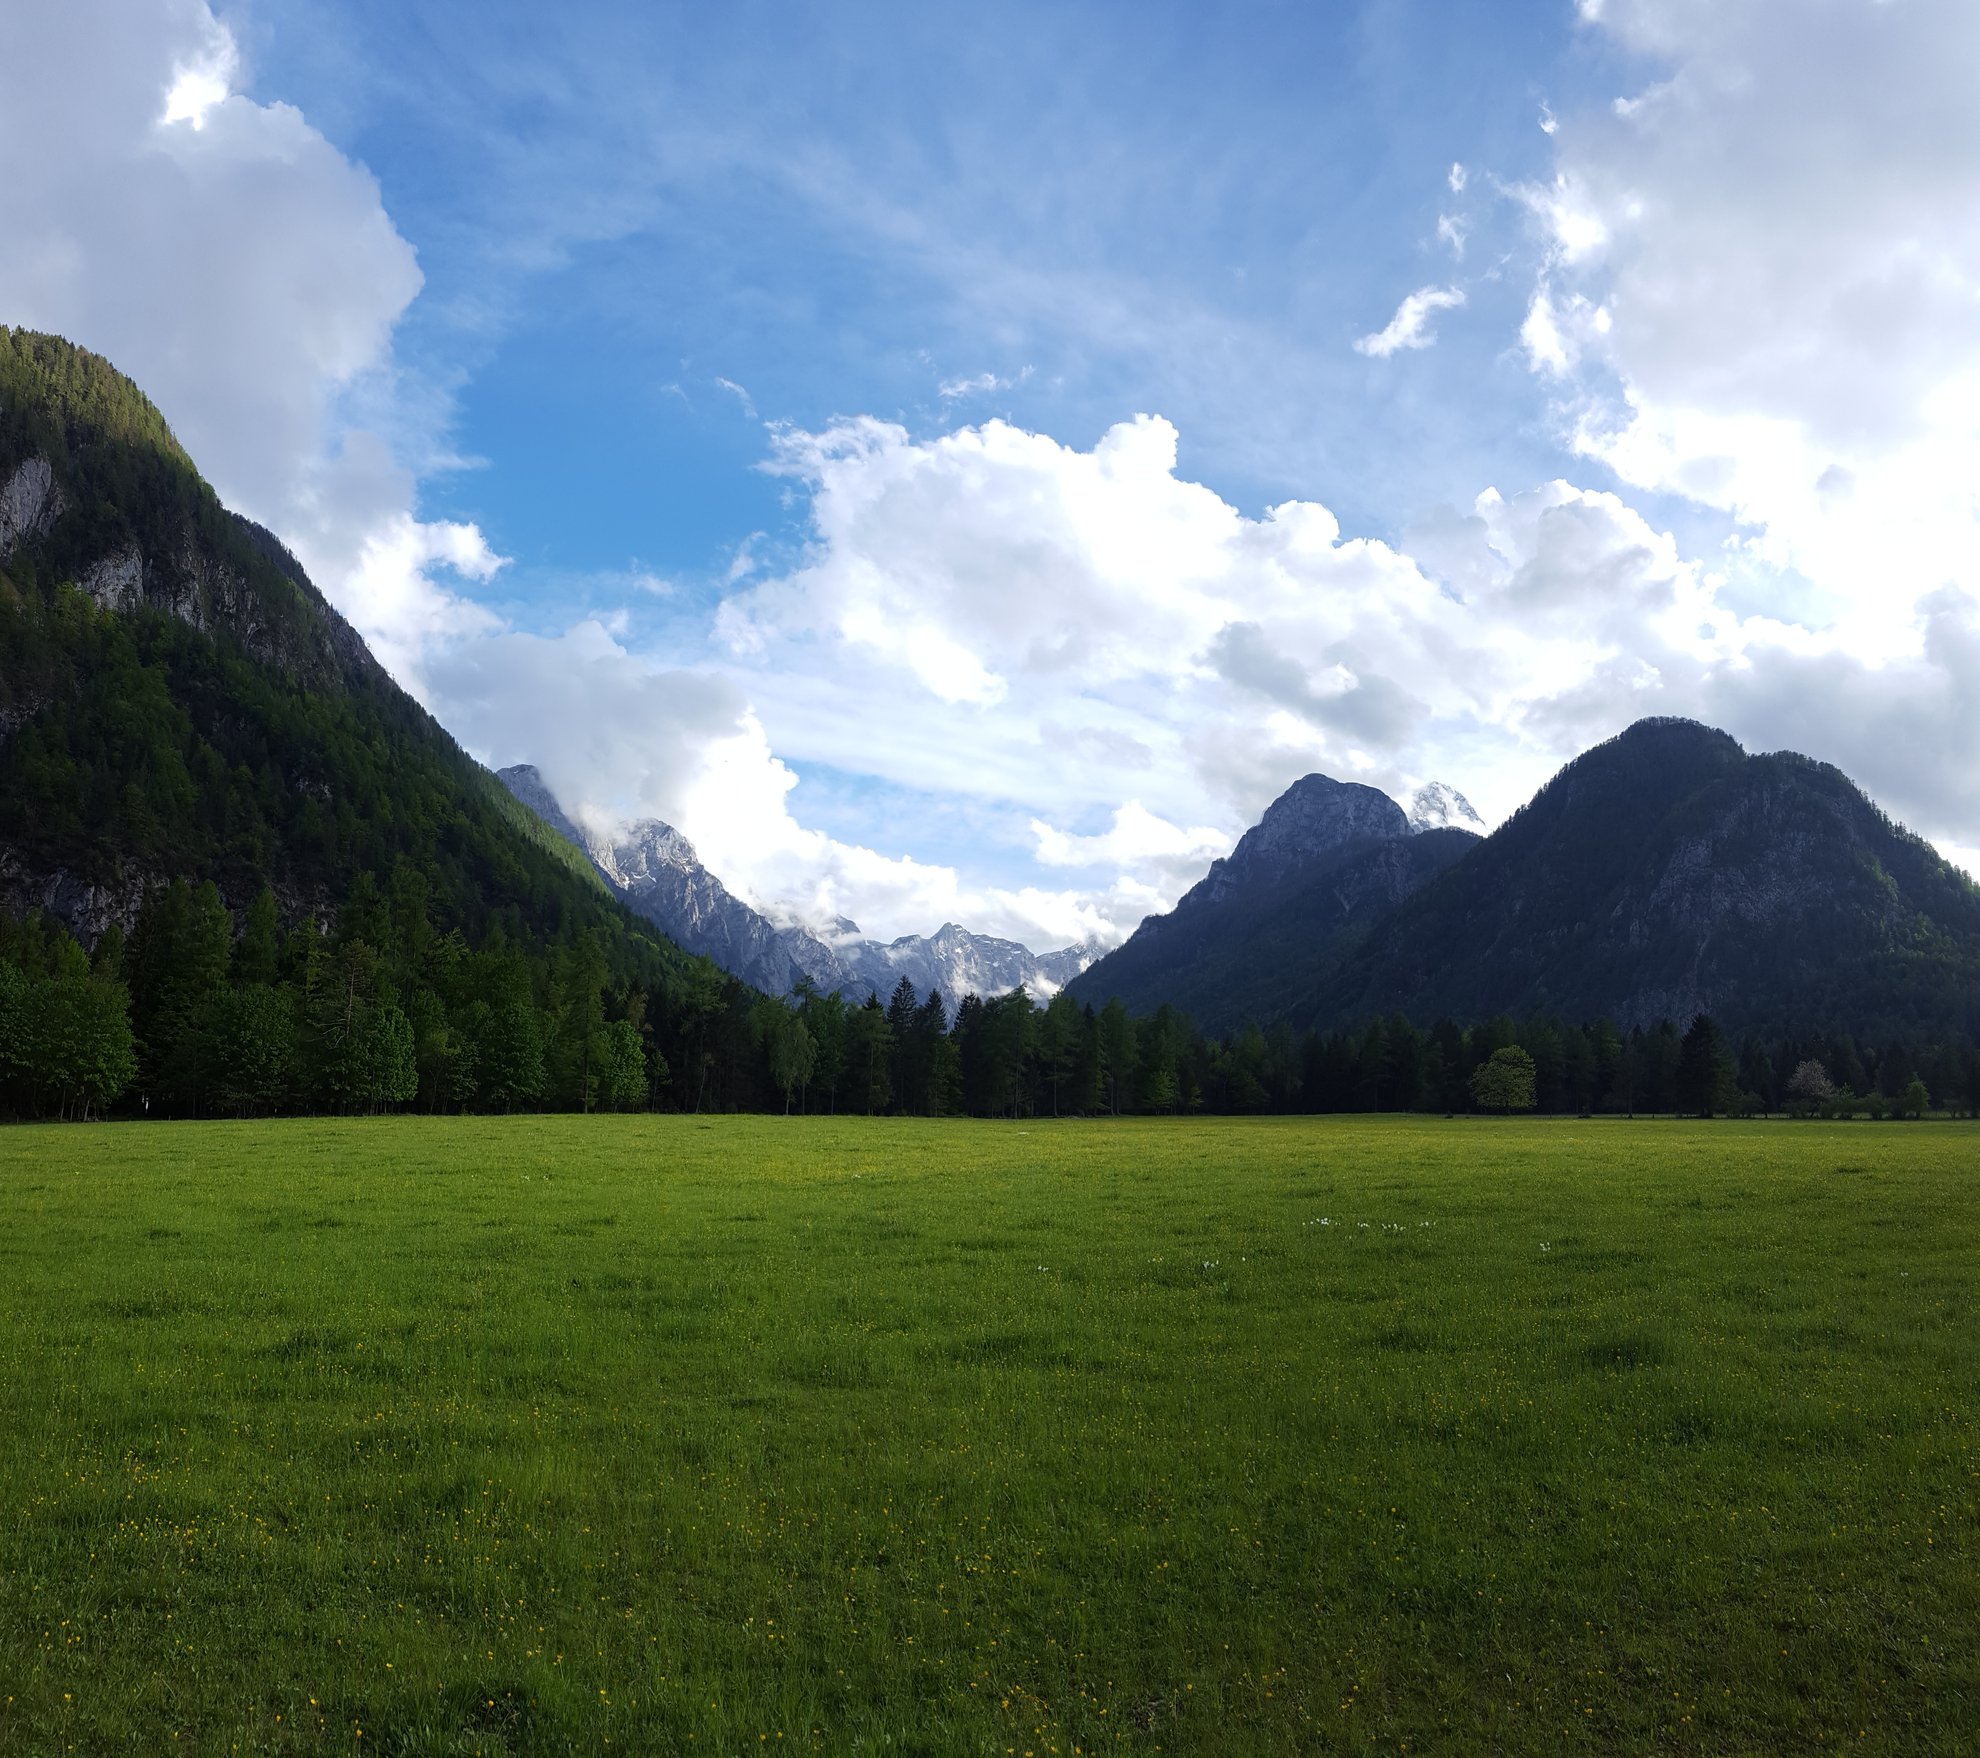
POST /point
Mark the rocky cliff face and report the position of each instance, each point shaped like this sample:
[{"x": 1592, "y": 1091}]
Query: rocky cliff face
[
  {"x": 653, "y": 868},
  {"x": 959, "y": 962},
  {"x": 1313, "y": 820},
  {"x": 29, "y": 503},
  {"x": 189, "y": 573}
]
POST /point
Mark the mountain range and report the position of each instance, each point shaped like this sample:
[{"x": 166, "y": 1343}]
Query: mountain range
[
  {"x": 652, "y": 868},
  {"x": 179, "y": 703},
  {"x": 1663, "y": 874}
]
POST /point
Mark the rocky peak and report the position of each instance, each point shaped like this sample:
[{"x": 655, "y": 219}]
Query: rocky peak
[
  {"x": 644, "y": 851},
  {"x": 652, "y": 867},
  {"x": 1439, "y": 806},
  {"x": 1314, "y": 819}
]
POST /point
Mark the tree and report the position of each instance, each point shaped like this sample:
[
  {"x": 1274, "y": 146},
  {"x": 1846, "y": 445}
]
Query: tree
[
  {"x": 509, "y": 1068},
  {"x": 86, "y": 1055},
  {"x": 869, "y": 1050},
  {"x": 1058, "y": 1043},
  {"x": 621, "y": 1067},
  {"x": 1914, "y": 1100},
  {"x": 787, "y": 1045},
  {"x": 1809, "y": 1087},
  {"x": 255, "y": 951},
  {"x": 1117, "y": 1055},
  {"x": 825, "y": 1018},
  {"x": 903, "y": 1008},
  {"x": 1705, "y": 1080},
  {"x": 254, "y": 1049},
  {"x": 1504, "y": 1083},
  {"x": 583, "y": 1024}
]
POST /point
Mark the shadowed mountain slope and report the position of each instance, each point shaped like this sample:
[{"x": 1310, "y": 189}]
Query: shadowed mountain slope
[
  {"x": 1668, "y": 873},
  {"x": 1253, "y": 936},
  {"x": 1663, "y": 874}
]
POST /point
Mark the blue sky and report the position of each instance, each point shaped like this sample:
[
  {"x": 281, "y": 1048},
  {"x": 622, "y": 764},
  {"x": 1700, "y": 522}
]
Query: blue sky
[
  {"x": 1114, "y": 209},
  {"x": 963, "y": 464}
]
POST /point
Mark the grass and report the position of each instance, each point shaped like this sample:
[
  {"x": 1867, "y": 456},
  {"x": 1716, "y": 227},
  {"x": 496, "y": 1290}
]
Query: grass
[{"x": 753, "y": 1435}]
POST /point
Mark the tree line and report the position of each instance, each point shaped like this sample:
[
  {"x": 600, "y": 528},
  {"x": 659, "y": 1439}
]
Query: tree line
[{"x": 196, "y": 1014}]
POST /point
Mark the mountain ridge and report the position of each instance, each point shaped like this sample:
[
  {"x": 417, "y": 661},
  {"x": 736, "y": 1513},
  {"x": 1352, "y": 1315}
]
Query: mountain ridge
[
  {"x": 653, "y": 868},
  {"x": 178, "y": 701},
  {"x": 1663, "y": 873}
]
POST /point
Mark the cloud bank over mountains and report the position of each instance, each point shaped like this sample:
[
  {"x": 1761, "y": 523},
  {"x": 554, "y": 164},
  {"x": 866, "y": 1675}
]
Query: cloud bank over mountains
[{"x": 1754, "y": 298}]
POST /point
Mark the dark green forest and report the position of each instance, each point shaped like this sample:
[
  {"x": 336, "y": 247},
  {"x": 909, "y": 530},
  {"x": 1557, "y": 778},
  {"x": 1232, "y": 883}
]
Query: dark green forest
[{"x": 196, "y": 1015}]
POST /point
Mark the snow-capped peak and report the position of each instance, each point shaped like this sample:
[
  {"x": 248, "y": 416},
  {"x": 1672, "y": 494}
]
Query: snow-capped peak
[{"x": 1438, "y": 806}]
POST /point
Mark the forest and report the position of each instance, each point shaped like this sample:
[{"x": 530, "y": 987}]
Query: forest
[{"x": 195, "y": 1014}]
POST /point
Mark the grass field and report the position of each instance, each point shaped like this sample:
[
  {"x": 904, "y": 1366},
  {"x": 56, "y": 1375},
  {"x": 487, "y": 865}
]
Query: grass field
[{"x": 745, "y": 1435}]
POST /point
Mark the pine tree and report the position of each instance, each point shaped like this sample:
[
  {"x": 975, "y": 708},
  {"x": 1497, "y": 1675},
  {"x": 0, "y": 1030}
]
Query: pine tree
[{"x": 1705, "y": 1083}]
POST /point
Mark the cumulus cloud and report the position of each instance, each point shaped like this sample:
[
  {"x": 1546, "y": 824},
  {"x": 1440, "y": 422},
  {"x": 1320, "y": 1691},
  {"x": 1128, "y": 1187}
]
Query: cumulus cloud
[
  {"x": 620, "y": 737},
  {"x": 1102, "y": 636},
  {"x": 1410, "y": 327},
  {"x": 1135, "y": 836},
  {"x": 245, "y": 273},
  {"x": 1764, "y": 286}
]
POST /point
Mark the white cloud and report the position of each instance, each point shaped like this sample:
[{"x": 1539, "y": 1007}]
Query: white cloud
[
  {"x": 202, "y": 78},
  {"x": 1783, "y": 230},
  {"x": 1457, "y": 179},
  {"x": 1136, "y": 836},
  {"x": 1410, "y": 327},
  {"x": 244, "y": 272},
  {"x": 982, "y": 384},
  {"x": 1452, "y": 231},
  {"x": 742, "y": 397},
  {"x": 1095, "y": 632},
  {"x": 620, "y": 737}
]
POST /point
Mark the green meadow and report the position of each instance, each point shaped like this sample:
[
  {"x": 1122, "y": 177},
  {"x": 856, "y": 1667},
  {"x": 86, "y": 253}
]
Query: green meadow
[{"x": 744, "y": 1435}]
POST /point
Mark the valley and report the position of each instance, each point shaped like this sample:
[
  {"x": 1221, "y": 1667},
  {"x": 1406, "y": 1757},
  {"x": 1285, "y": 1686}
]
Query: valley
[{"x": 671, "y": 1434}]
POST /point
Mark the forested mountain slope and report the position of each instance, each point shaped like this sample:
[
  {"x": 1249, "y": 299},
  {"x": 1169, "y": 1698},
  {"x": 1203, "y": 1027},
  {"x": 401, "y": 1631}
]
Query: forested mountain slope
[
  {"x": 178, "y": 701},
  {"x": 1667, "y": 873},
  {"x": 180, "y": 708}
]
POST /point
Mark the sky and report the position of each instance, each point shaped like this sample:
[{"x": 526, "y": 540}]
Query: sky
[{"x": 961, "y": 464}]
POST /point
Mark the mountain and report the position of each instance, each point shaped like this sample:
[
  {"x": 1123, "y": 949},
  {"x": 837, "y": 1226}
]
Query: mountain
[
  {"x": 1661, "y": 875},
  {"x": 1668, "y": 873},
  {"x": 1439, "y": 806},
  {"x": 1269, "y": 920},
  {"x": 960, "y": 962},
  {"x": 652, "y": 867},
  {"x": 179, "y": 702}
]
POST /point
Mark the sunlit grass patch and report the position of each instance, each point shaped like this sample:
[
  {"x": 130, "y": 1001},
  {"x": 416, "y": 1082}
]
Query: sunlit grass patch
[{"x": 516, "y": 1436}]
